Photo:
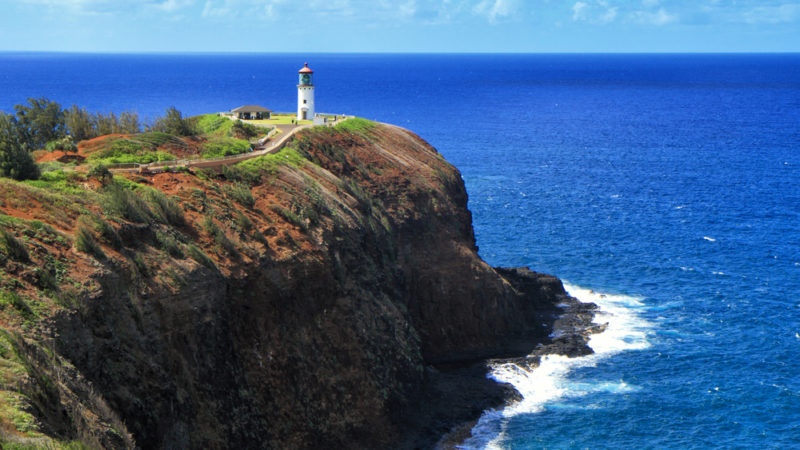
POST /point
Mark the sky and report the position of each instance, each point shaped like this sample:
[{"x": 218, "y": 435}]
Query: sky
[{"x": 471, "y": 26}]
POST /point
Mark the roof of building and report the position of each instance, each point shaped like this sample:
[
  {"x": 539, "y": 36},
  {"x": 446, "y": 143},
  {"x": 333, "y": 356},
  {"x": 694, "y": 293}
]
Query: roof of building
[
  {"x": 305, "y": 69},
  {"x": 250, "y": 108}
]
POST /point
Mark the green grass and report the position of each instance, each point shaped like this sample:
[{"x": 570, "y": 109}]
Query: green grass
[
  {"x": 16, "y": 301},
  {"x": 356, "y": 125},
  {"x": 212, "y": 124},
  {"x": 224, "y": 146},
  {"x": 140, "y": 149},
  {"x": 279, "y": 119},
  {"x": 69, "y": 182},
  {"x": 270, "y": 164}
]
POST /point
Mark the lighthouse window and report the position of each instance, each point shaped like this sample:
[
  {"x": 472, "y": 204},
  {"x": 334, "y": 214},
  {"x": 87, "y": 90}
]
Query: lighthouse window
[{"x": 305, "y": 101}]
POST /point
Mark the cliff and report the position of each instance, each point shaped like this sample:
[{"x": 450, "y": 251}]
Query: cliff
[{"x": 329, "y": 295}]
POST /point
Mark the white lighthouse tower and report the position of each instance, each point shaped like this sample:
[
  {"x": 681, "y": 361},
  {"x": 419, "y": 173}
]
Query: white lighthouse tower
[{"x": 305, "y": 95}]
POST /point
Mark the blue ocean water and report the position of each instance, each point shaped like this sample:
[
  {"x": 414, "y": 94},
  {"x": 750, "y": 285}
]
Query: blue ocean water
[{"x": 664, "y": 187}]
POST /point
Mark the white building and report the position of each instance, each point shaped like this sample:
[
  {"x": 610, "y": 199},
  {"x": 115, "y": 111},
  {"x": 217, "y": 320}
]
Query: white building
[{"x": 305, "y": 94}]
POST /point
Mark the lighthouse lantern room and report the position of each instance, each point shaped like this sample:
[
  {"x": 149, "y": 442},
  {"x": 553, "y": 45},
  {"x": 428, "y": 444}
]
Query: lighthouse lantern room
[{"x": 305, "y": 94}]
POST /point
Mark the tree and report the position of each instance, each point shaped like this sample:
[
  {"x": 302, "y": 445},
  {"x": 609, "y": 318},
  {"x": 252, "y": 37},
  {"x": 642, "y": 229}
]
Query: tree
[
  {"x": 79, "y": 123},
  {"x": 129, "y": 123},
  {"x": 104, "y": 125},
  {"x": 41, "y": 121},
  {"x": 15, "y": 160},
  {"x": 173, "y": 123}
]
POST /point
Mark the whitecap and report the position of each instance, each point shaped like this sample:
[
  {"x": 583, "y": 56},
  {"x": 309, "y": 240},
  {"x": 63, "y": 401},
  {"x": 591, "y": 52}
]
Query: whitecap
[
  {"x": 709, "y": 239},
  {"x": 548, "y": 382}
]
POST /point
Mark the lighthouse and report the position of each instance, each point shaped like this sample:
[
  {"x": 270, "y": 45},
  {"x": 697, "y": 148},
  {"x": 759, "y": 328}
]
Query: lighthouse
[{"x": 305, "y": 94}]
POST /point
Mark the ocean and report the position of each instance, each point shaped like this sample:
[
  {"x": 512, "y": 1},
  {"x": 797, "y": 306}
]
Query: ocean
[{"x": 665, "y": 188}]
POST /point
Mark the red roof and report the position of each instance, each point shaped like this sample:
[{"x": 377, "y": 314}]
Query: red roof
[{"x": 305, "y": 69}]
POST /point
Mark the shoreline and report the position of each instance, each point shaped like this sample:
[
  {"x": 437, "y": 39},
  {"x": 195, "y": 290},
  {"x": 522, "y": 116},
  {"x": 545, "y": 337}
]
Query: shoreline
[
  {"x": 570, "y": 337},
  {"x": 457, "y": 394}
]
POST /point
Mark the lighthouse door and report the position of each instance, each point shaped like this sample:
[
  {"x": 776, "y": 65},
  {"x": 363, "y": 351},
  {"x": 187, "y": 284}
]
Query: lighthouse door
[{"x": 305, "y": 115}]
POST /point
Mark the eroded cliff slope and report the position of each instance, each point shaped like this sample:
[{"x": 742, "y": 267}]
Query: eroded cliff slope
[{"x": 311, "y": 298}]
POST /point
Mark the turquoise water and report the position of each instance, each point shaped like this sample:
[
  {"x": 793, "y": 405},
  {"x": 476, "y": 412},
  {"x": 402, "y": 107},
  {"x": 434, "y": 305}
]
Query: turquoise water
[{"x": 664, "y": 187}]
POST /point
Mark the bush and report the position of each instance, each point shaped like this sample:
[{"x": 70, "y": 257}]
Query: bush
[
  {"x": 121, "y": 201},
  {"x": 165, "y": 208},
  {"x": 170, "y": 245},
  {"x": 243, "y": 222},
  {"x": 290, "y": 217},
  {"x": 243, "y": 130},
  {"x": 86, "y": 243},
  {"x": 240, "y": 194},
  {"x": 64, "y": 144},
  {"x": 17, "y": 302},
  {"x": 101, "y": 172},
  {"x": 219, "y": 236},
  {"x": 200, "y": 256},
  {"x": 108, "y": 233},
  {"x": 13, "y": 247}
]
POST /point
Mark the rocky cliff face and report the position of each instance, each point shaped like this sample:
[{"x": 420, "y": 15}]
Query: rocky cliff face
[{"x": 326, "y": 296}]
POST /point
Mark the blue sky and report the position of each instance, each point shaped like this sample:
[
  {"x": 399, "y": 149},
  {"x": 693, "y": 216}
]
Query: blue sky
[{"x": 400, "y": 25}]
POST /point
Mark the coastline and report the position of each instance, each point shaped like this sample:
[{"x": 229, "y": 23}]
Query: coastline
[{"x": 458, "y": 394}]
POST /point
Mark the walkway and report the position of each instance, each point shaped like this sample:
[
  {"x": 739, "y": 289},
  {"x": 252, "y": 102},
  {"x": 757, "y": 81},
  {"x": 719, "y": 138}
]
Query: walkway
[{"x": 210, "y": 163}]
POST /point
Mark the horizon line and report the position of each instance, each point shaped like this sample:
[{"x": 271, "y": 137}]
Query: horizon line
[{"x": 201, "y": 52}]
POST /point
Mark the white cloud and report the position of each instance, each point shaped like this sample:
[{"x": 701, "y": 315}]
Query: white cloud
[
  {"x": 784, "y": 13},
  {"x": 496, "y": 9},
  {"x": 659, "y": 17},
  {"x": 173, "y": 5},
  {"x": 594, "y": 11}
]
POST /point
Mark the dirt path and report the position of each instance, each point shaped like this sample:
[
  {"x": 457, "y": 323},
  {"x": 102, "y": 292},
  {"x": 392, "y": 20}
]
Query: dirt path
[{"x": 271, "y": 147}]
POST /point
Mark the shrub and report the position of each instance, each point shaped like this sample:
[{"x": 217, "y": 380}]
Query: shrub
[
  {"x": 101, "y": 172},
  {"x": 13, "y": 247},
  {"x": 86, "y": 243},
  {"x": 17, "y": 302},
  {"x": 219, "y": 236},
  {"x": 240, "y": 194},
  {"x": 200, "y": 256},
  {"x": 140, "y": 265},
  {"x": 125, "y": 203},
  {"x": 166, "y": 209},
  {"x": 108, "y": 233},
  {"x": 290, "y": 216},
  {"x": 243, "y": 222},
  {"x": 170, "y": 245},
  {"x": 243, "y": 130},
  {"x": 64, "y": 144}
]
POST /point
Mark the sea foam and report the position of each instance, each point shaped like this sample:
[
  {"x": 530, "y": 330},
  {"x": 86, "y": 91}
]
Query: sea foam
[{"x": 542, "y": 386}]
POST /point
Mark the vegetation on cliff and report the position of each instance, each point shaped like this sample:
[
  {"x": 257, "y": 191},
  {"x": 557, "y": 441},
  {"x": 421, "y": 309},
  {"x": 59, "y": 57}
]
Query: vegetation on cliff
[{"x": 296, "y": 299}]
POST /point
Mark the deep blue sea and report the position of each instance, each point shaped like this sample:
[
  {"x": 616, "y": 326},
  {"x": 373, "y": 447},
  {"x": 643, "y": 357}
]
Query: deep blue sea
[{"x": 666, "y": 188}]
